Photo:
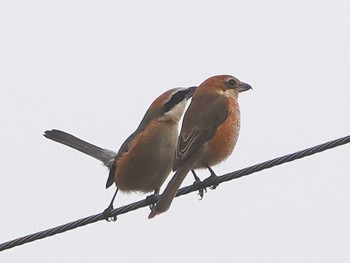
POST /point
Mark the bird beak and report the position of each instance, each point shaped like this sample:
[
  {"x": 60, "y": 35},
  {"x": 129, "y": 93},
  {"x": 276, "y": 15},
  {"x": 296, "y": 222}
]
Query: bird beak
[
  {"x": 244, "y": 87},
  {"x": 190, "y": 91}
]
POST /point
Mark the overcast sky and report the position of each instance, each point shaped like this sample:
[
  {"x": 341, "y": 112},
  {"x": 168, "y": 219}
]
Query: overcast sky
[{"x": 92, "y": 68}]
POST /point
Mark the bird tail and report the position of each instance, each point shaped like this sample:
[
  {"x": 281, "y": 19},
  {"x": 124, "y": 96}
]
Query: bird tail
[
  {"x": 104, "y": 155},
  {"x": 169, "y": 193}
]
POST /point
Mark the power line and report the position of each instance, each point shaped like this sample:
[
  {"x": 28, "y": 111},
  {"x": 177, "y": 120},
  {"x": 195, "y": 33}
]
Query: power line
[{"x": 182, "y": 191}]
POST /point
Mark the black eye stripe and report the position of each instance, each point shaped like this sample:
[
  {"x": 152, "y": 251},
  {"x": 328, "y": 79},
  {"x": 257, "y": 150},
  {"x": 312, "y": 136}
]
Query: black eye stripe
[{"x": 175, "y": 99}]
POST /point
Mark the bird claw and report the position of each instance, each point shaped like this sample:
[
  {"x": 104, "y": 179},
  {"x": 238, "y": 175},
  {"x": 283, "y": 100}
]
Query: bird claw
[
  {"x": 112, "y": 219},
  {"x": 201, "y": 191},
  {"x": 213, "y": 187},
  {"x": 197, "y": 181},
  {"x": 210, "y": 180},
  {"x": 151, "y": 200},
  {"x": 107, "y": 214}
]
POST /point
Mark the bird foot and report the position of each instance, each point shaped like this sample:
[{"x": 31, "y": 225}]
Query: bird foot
[
  {"x": 107, "y": 214},
  {"x": 212, "y": 178},
  {"x": 202, "y": 190},
  {"x": 152, "y": 200},
  {"x": 197, "y": 181}
]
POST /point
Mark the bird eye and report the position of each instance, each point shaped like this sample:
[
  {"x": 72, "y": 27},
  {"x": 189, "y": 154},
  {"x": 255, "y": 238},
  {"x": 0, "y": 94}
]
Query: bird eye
[{"x": 232, "y": 82}]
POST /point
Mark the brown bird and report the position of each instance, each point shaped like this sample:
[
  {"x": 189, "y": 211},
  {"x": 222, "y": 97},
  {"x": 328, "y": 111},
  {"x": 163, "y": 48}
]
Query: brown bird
[
  {"x": 145, "y": 159},
  {"x": 209, "y": 132}
]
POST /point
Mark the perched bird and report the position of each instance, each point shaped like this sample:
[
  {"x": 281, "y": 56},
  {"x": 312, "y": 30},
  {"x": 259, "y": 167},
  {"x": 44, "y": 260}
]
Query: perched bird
[
  {"x": 145, "y": 159},
  {"x": 209, "y": 132}
]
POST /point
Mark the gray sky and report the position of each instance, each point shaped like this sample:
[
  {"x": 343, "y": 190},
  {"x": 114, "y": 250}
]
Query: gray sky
[{"x": 92, "y": 68}]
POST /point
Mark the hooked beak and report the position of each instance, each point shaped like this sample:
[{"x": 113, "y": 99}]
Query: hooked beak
[
  {"x": 190, "y": 91},
  {"x": 244, "y": 87}
]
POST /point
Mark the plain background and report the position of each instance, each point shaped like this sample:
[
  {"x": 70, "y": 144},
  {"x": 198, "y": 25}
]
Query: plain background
[{"x": 92, "y": 68}]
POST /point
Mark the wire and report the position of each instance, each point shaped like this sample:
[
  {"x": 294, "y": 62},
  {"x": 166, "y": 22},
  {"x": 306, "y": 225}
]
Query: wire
[{"x": 182, "y": 191}]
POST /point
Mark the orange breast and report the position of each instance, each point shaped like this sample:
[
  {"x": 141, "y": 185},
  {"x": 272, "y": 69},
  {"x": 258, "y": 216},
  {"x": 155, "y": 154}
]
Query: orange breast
[{"x": 222, "y": 144}]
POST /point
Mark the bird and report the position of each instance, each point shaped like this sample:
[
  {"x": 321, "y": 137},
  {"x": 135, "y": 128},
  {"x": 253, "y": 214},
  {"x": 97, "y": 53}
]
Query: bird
[
  {"x": 208, "y": 134},
  {"x": 145, "y": 159}
]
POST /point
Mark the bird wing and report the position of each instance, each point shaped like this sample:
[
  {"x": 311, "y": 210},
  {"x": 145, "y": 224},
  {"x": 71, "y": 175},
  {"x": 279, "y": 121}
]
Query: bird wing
[
  {"x": 127, "y": 144},
  {"x": 203, "y": 117},
  {"x": 123, "y": 149}
]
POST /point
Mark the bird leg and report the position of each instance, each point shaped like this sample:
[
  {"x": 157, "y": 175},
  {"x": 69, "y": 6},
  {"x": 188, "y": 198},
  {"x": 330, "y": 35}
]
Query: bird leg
[
  {"x": 151, "y": 199},
  {"x": 212, "y": 177},
  {"x": 198, "y": 181},
  {"x": 107, "y": 213}
]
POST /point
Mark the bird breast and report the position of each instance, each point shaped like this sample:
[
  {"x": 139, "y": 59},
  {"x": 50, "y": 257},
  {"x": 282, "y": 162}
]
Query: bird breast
[{"x": 222, "y": 144}]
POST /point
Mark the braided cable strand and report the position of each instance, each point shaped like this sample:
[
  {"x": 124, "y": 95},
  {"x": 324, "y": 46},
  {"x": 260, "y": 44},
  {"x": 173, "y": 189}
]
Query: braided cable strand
[
  {"x": 268, "y": 164},
  {"x": 182, "y": 191}
]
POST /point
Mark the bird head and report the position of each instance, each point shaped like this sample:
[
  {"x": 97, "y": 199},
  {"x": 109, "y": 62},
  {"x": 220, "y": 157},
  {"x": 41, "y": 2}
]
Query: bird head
[
  {"x": 224, "y": 84},
  {"x": 169, "y": 106}
]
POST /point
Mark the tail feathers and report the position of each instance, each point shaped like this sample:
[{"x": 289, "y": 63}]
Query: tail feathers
[
  {"x": 169, "y": 193},
  {"x": 104, "y": 155}
]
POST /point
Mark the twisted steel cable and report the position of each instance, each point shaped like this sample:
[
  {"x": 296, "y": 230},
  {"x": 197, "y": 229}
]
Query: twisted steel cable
[{"x": 182, "y": 191}]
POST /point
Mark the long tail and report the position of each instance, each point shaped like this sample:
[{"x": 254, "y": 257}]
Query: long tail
[
  {"x": 169, "y": 193},
  {"x": 104, "y": 155}
]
